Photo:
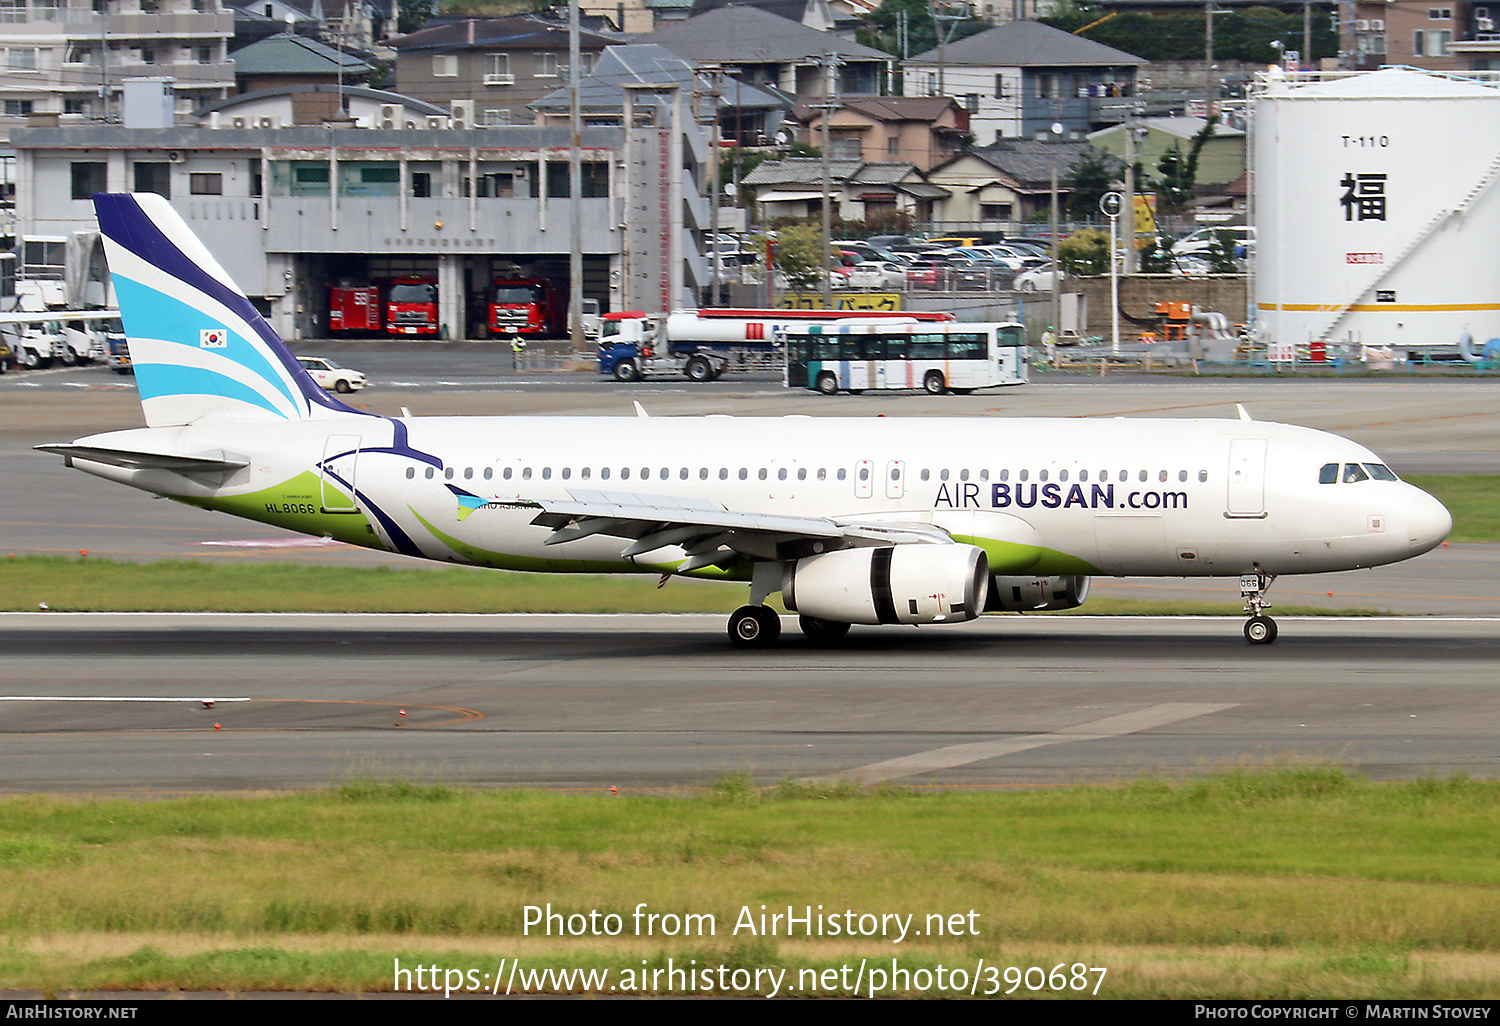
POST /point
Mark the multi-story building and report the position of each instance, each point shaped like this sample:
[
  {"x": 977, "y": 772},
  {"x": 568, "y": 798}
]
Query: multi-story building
[
  {"x": 289, "y": 211},
  {"x": 69, "y": 57},
  {"x": 1020, "y": 79},
  {"x": 500, "y": 65}
]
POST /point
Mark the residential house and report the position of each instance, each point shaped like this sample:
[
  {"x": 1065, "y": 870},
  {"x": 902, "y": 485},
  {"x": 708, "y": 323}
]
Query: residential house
[
  {"x": 1020, "y": 79},
  {"x": 767, "y": 50},
  {"x": 499, "y": 65},
  {"x": 925, "y": 130},
  {"x": 747, "y": 115},
  {"x": 292, "y": 60},
  {"x": 1220, "y": 162},
  {"x": 997, "y": 187},
  {"x": 858, "y": 190}
]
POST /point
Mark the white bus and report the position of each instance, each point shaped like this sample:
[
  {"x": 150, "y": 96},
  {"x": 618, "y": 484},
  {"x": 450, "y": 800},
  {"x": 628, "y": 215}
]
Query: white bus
[{"x": 937, "y": 358}]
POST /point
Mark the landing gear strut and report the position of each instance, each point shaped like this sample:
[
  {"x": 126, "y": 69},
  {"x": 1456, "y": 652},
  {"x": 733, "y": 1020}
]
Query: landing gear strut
[{"x": 1260, "y": 629}]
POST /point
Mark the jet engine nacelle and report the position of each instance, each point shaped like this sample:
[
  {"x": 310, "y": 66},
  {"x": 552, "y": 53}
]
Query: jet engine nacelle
[
  {"x": 901, "y": 584},
  {"x": 1022, "y": 594}
]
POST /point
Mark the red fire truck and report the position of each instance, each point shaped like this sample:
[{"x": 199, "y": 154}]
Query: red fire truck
[
  {"x": 525, "y": 306},
  {"x": 399, "y": 306},
  {"x": 411, "y": 306}
]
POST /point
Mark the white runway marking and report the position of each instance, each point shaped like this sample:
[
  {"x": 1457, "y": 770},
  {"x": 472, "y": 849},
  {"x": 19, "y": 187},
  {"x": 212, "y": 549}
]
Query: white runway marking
[
  {"x": 978, "y": 751},
  {"x": 113, "y": 698}
]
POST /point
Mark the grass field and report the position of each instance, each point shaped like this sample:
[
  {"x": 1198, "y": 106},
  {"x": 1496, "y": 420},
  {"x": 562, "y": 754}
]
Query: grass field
[{"x": 1289, "y": 882}]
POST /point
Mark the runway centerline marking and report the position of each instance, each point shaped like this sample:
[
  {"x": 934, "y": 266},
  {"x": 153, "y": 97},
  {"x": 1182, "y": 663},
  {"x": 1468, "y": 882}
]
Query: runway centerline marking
[{"x": 978, "y": 751}]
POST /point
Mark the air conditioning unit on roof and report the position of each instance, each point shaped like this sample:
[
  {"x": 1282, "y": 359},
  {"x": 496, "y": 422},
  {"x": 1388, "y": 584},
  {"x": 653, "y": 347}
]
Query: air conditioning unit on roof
[{"x": 1377, "y": 25}]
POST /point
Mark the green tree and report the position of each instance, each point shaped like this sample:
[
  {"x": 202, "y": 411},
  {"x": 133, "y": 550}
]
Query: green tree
[
  {"x": 880, "y": 29},
  {"x": 410, "y": 14},
  {"x": 1179, "y": 171},
  {"x": 1085, "y": 252},
  {"x": 799, "y": 255},
  {"x": 1088, "y": 180}
]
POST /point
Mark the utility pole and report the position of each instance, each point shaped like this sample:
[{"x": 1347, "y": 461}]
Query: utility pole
[
  {"x": 1208, "y": 59},
  {"x": 830, "y": 62},
  {"x": 575, "y": 183},
  {"x": 717, "y": 263}
]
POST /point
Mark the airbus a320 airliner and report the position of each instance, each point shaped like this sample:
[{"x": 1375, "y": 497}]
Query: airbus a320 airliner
[{"x": 868, "y": 521}]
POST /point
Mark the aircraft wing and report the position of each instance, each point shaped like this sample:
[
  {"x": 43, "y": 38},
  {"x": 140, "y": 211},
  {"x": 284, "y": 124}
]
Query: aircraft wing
[{"x": 709, "y": 532}]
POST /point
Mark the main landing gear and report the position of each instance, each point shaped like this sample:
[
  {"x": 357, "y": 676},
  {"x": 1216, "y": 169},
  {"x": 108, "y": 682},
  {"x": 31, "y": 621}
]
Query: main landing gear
[
  {"x": 758, "y": 626},
  {"x": 1260, "y": 629}
]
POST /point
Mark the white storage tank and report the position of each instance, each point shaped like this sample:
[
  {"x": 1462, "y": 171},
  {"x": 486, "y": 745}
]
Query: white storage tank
[{"x": 1377, "y": 210}]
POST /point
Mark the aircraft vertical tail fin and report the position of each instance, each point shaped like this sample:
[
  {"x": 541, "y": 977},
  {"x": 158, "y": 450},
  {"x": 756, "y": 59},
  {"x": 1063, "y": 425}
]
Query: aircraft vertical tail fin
[{"x": 200, "y": 349}]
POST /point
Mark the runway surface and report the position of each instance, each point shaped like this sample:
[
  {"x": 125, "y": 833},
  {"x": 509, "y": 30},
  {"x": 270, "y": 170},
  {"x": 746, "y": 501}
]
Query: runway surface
[
  {"x": 114, "y": 703},
  {"x": 663, "y": 702}
]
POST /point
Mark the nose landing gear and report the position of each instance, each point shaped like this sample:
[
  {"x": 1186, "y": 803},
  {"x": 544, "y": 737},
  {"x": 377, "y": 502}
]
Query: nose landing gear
[{"x": 1259, "y": 629}]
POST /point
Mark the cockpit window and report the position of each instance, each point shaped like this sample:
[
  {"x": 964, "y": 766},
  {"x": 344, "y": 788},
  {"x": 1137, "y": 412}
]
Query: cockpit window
[
  {"x": 1329, "y": 474},
  {"x": 1354, "y": 472},
  {"x": 1380, "y": 472}
]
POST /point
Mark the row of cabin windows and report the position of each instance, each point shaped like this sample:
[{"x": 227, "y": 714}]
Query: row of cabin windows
[{"x": 822, "y": 474}]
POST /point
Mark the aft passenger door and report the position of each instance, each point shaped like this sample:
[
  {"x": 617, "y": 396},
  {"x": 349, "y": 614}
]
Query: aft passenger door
[{"x": 336, "y": 474}]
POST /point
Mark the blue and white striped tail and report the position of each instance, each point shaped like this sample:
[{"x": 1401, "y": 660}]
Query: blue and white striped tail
[{"x": 201, "y": 351}]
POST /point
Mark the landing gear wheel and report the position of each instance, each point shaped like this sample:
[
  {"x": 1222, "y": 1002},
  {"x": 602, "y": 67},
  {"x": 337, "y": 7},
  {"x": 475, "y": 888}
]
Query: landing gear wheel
[
  {"x": 1260, "y": 630},
  {"x": 828, "y": 384},
  {"x": 822, "y": 632},
  {"x": 625, "y": 371},
  {"x": 934, "y": 383},
  {"x": 699, "y": 369},
  {"x": 754, "y": 627}
]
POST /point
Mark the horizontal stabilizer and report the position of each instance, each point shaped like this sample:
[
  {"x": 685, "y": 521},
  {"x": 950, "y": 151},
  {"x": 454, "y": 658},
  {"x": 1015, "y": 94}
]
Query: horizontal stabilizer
[{"x": 196, "y": 464}]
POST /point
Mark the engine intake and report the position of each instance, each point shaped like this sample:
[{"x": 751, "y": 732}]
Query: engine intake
[
  {"x": 1022, "y": 594},
  {"x": 900, "y": 584}
]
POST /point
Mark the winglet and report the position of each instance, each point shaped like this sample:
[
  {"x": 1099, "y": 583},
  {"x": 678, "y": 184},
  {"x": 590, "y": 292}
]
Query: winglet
[
  {"x": 1244, "y": 415},
  {"x": 640, "y": 411}
]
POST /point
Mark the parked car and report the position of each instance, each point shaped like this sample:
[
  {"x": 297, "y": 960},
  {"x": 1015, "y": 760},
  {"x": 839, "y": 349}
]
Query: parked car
[
  {"x": 1039, "y": 280},
  {"x": 878, "y": 274},
  {"x": 331, "y": 376}
]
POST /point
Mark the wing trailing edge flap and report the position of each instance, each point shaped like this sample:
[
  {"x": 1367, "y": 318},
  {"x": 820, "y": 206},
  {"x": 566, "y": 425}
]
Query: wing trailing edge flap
[{"x": 181, "y": 463}]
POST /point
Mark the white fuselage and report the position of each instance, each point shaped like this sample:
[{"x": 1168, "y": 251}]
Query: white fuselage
[{"x": 1055, "y": 496}]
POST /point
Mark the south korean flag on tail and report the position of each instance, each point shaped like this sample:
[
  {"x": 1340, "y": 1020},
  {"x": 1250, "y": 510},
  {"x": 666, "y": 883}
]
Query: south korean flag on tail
[{"x": 213, "y": 338}]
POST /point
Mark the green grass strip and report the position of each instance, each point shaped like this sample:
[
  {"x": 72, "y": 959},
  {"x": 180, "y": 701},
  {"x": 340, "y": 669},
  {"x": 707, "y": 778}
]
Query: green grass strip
[
  {"x": 1473, "y": 499},
  {"x": 1286, "y": 882}
]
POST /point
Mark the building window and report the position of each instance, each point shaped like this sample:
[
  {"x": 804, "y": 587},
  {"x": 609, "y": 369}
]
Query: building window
[
  {"x": 445, "y": 65},
  {"x": 148, "y": 55},
  {"x": 20, "y": 58},
  {"x": 971, "y": 103},
  {"x": 256, "y": 183},
  {"x": 150, "y": 6},
  {"x": 546, "y": 65},
  {"x": 205, "y": 55},
  {"x": 88, "y": 178},
  {"x": 206, "y": 184},
  {"x": 496, "y": 118},
  {"x": 999, "y": 87},
  {"x": 153, "y": 176},
  {"x": 73, "y": 105},
  {"x": 499, "y": 73},
  {"x": 18, "y": 108},
  {"x": 1439, "y": 14},
  {"x": 421, "y": 184},
  {"x": 892, "y": 146}
]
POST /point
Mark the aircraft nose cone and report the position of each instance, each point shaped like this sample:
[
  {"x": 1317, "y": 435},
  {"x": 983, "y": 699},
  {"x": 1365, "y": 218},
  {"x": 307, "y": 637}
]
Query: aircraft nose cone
[{"x": 1427, "y": 522}]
